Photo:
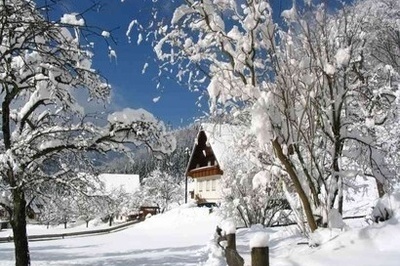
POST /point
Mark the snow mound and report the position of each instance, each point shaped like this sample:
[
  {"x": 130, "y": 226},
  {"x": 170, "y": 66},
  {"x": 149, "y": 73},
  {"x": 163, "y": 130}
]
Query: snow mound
[
  {"x": 182, "y": 226},
  {"x": 229, "y": 226},
  {"x": 387, "y": 207},
  {"x": 259, "y": 240}
]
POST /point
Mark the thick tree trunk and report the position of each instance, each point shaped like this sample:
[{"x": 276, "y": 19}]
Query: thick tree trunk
[
  {"x": 18, "y": 223},
  {"x": 296, "y": 182},
  {"x": 380, "y": 188}
]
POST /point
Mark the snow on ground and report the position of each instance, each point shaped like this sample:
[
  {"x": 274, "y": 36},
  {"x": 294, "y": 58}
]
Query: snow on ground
[
  {"x": 178, "y": 237},
  {"x": 375, "y": 245},
  {"x": 183, "y": 236}
]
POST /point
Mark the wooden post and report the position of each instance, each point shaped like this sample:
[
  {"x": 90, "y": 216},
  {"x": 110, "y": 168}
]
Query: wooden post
[
  {"x": 259, "y": 249},
  {"x": 260, "y": 256},
  {"x": 231, "y": 239},
  {"x": 232, "y": 256}
]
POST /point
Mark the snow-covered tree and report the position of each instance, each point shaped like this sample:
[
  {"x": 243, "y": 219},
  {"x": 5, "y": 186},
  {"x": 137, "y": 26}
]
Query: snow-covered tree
[
  {"x": 58, "y": 207},
  {"x": 62, "y": 204},
  {"x": 250, "y": 194},
  {"x": 66, "y": 210},
  {"x": 114, "y": 203},
  {"x": 160, "y": 189},
  {"x": 326, "y": 103},
  {"x": 251, "y": 190},
  {"x": 317, "y": 96},
  {"x": 48, "y": 214},
  {"x": 88, "y": 207},
  {"x": 44, "y": 67}
]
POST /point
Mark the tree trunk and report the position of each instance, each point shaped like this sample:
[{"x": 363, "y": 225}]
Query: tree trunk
[
  {"x": 87, "y": 224},
  {"x": 380, "y": 188},
  {"x": 340, "y": 199},
  {"x": 18, "y": 223},
  {"x": 110, "y": 220},
  {"x": 314, "y": 190},
  {"x": 337, "y": 178},
  {"x": 242, "y": 216},
  {"x": 296, "y": 182}
]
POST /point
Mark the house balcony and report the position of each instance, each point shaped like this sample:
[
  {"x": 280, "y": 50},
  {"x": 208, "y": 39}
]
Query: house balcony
[{"x": 205, "y": 171}]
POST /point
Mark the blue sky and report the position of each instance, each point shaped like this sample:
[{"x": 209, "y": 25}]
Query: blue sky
[{"x": 176, "y": 105}]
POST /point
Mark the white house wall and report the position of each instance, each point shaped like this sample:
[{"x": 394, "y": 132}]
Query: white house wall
[{"x": 208, "y": 188}]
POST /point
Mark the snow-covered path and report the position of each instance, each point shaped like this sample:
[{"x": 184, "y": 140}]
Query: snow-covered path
[{"x": 179, "y": 237}]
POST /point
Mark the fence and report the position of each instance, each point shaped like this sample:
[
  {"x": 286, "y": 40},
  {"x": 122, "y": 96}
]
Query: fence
[
  {"x": 259, "y": 250},
  {"x": 72, "y": 234}
]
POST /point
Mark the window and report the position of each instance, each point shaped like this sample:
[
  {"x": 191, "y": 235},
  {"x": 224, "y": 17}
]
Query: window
[
  {"x": 213, "y": 185},
  {"x": 200, "y": 184},
  {"x": 208, "y": 185}
]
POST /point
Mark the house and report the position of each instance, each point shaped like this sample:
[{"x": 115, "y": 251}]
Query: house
[
  {"x": 144, "y": 211},
  {"x": 211, "y": 150}
]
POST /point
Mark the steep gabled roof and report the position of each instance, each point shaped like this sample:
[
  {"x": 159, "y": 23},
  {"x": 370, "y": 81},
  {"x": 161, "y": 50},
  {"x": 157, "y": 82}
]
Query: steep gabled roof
[
  {"x": 222, "y": 138},
  {"x": 210, "y": 150},
  {"x": 202, "y": 160}
]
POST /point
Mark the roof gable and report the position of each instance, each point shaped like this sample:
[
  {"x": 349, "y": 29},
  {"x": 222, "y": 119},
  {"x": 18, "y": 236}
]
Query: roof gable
[
  {"x": 202, "y": 153},
  {"x": 221, "y": 137},
  {"x": 212, "y": 147},
  {"x": 202, "y": 161}
]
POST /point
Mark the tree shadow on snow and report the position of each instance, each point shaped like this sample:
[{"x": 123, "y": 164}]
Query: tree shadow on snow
[{"x": 192, "y": 255}]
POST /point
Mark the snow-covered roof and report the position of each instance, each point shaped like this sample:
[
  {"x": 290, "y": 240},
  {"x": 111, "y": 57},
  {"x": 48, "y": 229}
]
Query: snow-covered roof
[
  {"x": 129, "y": 182},
  {"x": 222, "y": 138},
  {"x": 214, "y": 148}
]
